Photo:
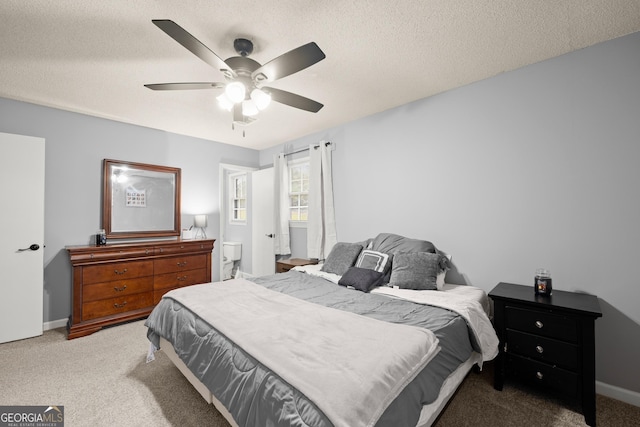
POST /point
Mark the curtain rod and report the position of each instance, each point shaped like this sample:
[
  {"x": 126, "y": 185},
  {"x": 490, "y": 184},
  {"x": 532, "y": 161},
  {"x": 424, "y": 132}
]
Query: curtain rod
[{"x": 326, "y": 144}]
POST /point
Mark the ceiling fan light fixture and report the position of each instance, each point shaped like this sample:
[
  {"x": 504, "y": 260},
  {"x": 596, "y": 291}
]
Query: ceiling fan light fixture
[
  {"x": 261, "y": 98},
  {"x": 224, "y": 102},
  {"x": 249, "y": 108},
  {"x": 235, "y": 91}
]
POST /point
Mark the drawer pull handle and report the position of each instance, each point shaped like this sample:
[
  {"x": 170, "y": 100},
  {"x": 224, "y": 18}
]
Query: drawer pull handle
[
  {"x": 120, "y": 271},
  {"x": 120, "y": 305},
  {"x": 120, "y": 289},
  {"x": 539, "y": 324},
  {"x": 182, "y": 278},
  {"x": 182, "y": 264},
  {"x": 539, "y": 349},
  {"x": 539, "y": 375}
]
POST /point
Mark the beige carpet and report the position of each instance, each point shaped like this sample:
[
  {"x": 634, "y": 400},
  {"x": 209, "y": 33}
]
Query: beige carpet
[{"x": 103, "y": 380}]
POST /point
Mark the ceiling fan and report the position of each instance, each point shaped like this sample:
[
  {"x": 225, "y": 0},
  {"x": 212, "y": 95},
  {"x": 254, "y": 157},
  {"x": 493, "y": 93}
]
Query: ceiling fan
[{"x": 244, "y": 92}]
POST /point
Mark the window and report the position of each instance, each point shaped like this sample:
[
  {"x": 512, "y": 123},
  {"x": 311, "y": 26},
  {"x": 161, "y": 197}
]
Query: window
[
  {"x": 298, "y": 190},
  {"x": 238, "y": 196}
]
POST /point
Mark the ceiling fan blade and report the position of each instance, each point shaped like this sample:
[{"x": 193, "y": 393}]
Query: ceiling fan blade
[
  {"x": 289, "y": 63},
  {"x": 194, "y": 45},
  {"x": 293, "y": 100},
  {"x": 184, "y": 86}
]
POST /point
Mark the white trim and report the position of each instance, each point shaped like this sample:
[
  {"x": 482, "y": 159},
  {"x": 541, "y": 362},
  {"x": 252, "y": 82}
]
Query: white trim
[
  {"x": 54, "y": 324},
  {"x": 297, "y": 224},
  {"x": 628, "y": 396}
]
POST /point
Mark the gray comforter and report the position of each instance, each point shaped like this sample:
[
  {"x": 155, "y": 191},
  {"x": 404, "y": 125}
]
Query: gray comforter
[{"x": 256, "y": 396}]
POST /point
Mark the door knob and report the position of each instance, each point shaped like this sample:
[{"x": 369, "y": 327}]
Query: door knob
[
  {"x": 33, "y": 247},
  {"x": 270, "y": 235}
]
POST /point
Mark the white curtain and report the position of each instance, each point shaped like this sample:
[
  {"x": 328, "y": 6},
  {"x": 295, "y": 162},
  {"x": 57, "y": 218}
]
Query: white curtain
[
  {"x": 321, "y": 223},
  {"x": 281, "y": 205}
]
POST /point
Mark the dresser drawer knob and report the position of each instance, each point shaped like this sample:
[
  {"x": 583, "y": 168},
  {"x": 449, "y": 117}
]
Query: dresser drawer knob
[
  {"x": 539, "y": 324},
  {"x": 120, "y": 305},
  {"x": 539, "y": 375},
  {"x": 182, "y": 264},
  {"x": 120, "y": 289},
  {"x": 182, "y": 278},
  {"x": 539, "y": 349},
  {"x": 120, "y": 271}
]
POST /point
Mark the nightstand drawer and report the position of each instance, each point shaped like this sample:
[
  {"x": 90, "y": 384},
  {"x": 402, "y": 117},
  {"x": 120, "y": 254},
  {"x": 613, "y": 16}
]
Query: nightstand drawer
[
  {"x": 544, "y": 349},
  {"x": 541, "y": 323},
  {"x": 542, "y": 374}
]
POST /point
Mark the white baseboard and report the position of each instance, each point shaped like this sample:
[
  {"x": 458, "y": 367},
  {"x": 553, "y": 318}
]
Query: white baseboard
[
  {"x": 55, "y": 324},
  {"x": 618, "y": 393}
]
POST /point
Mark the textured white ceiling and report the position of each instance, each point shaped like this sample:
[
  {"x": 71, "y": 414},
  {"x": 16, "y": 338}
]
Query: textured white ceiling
[{"x": 94, "y": 57}]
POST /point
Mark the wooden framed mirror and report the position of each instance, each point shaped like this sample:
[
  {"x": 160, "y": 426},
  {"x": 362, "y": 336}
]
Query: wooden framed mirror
[{"x": 140, "y": 200}]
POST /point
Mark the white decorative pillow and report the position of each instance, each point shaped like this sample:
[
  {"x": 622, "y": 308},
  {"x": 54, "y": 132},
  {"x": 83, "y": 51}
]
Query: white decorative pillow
[{"x": 373, "y": 260}]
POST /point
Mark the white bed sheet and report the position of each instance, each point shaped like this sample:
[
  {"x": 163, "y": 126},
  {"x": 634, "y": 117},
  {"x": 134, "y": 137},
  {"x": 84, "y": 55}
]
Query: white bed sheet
[{"x": 471, "y": 292}]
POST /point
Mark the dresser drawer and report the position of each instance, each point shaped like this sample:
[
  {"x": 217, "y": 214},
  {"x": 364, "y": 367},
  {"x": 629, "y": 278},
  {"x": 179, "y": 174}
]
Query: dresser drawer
[
  {"x": 179, "y": 279},
  {"x": 117, "y": 288},
  {"x": 107, "y": 307},
  {"x": 541, "y": 374},
  {"x": 116, "y": 271},
  {"x": 544, "y": 349},
  {"x": 100, "y": 253},
  {"x": 541, "y": 323},
  {"x": 183, "y": 247},
  {"x": 184, "y": 263}
]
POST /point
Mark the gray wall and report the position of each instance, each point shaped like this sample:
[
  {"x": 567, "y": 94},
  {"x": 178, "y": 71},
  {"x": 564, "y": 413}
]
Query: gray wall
[
  {"x": 75, "y": 146},
  {"x": 532, "y": 168}
]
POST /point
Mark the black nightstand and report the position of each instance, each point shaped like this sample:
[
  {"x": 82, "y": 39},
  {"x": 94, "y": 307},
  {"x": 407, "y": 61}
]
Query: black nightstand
[{"x": 547, "y": 341}]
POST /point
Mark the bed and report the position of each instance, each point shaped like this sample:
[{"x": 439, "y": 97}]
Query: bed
[{"x": 372, "y": 337}]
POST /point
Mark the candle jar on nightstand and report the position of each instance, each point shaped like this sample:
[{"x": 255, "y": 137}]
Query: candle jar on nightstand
[{"x": 542, "y": 282}]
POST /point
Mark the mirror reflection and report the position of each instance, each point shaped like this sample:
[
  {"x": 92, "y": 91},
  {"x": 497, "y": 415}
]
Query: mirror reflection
[{"x": 141, "y": 200}]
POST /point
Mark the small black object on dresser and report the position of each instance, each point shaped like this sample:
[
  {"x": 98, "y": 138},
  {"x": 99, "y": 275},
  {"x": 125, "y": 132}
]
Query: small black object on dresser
[{"x": 548, "y": 341}]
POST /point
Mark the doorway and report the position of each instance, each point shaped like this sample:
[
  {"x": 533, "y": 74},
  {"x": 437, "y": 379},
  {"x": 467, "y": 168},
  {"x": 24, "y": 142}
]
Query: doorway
[{"x": 236, "y": 231}]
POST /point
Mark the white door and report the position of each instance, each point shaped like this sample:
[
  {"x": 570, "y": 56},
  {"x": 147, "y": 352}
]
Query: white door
[
  {"x": 22, "y": 230},
  {"x": 263, "y": 226}
]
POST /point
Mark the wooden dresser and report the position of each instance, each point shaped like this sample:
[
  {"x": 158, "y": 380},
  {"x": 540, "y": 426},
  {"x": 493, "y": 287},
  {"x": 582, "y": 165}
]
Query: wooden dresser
[{"x": 121, "y": 282}]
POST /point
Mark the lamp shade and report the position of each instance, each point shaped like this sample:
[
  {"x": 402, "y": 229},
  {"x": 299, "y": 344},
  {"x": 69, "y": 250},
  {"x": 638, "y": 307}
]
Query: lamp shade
[
  {"x": 224, "y": 102},
  {"x": 249, "y": 108},
  {"x": 261, "y": 99},
  {"x": 235, "y": 91},
  {"x": 200, "y": 221}
]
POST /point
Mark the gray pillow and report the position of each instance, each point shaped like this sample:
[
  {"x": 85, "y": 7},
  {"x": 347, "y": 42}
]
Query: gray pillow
[
  {"x": 393, "y": 243},
  {"x": 362, "y": 279},
  {"x": 342, "y": 256},
  {"x": 417, "y": 270}
]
